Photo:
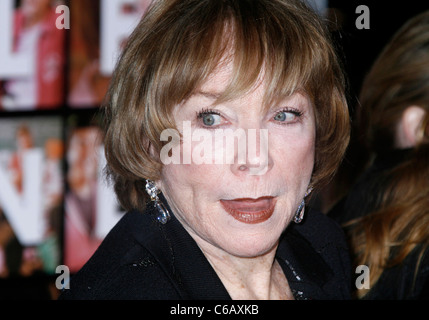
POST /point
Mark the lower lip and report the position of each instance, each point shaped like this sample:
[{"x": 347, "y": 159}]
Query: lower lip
[{"x": 250, "y": 211}]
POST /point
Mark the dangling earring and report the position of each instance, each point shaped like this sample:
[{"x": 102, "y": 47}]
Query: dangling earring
[
  {"x": 153, "y": 191},
  {"x": 299, "y": 215}
]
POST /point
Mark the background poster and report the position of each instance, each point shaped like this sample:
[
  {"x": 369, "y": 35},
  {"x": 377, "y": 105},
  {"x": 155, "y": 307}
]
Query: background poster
[
  {"x": 90, "y": 206},
  {"x": 32, "y": 71},
  {"x": 52, "y": 81},
  {"x": 31, "y": 195},
  {"x": 100, "y": 29}
]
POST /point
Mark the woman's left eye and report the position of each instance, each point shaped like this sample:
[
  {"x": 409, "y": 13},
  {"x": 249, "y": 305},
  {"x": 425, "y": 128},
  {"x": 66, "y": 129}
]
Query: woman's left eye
[{"x": 287, "y": 116}]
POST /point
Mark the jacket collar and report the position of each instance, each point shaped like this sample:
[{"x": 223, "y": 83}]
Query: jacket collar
[
  {"x": 305, "y": 269},
  {"x": 190, "y": 272},
  {"x": 180, "y": 257}
]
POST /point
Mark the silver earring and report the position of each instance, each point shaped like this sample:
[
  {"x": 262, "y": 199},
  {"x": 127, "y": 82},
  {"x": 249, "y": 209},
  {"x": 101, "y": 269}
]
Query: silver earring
[
  {"x": 153, "y": 191},
  {"x": 299, "y": 215}
]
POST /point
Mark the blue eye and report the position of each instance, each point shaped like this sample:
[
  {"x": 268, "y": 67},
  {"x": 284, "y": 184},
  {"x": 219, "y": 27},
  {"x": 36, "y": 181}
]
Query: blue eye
[
  {"x": 287, "y": 116},
  {"x": 210, "y": 118}
]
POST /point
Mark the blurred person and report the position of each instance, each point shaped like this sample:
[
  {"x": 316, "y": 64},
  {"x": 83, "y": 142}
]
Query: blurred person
[
  {"x": 49, "y": 250},
  {"x": 80, "y": 199},
  {"x": 53, "y": 173},
  {"x": 6, "y": 234},
  {"x": 88, "y": 85},
  {"x": 26, "y": 260},
  {"x": 36, "y": 34},
  {"x": 24, "y": 142},
  {"x": 235, "y": 230},
  {"x": 53, "y": 191},
  {"x": 386, "y": 214}
]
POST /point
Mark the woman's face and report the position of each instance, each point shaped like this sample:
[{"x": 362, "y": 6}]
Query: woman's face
[
  {"x": 35, "y": 8},
  {"x": 239, "y": 197}
]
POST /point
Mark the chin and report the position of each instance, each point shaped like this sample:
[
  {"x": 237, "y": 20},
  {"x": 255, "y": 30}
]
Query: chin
[
  {"x": 250, "y": 240},
  {"x": 250, "y": 246}
]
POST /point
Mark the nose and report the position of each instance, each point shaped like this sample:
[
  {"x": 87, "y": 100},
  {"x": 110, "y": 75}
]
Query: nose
[{"x": 254, "y": 158}]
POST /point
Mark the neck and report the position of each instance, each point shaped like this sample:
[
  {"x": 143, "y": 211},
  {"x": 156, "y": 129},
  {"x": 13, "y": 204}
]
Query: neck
[{"x": 255, "y": 278}]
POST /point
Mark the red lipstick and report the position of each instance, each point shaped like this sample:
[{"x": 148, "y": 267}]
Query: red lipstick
[{"x": 248, "y": 210}]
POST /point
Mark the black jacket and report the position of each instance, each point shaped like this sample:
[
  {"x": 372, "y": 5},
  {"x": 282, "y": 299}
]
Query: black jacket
[{"x": 143, "y": 259}]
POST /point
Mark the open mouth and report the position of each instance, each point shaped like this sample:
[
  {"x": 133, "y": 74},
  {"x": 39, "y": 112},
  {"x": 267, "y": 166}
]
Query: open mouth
[{"x": 248, "y": 210}]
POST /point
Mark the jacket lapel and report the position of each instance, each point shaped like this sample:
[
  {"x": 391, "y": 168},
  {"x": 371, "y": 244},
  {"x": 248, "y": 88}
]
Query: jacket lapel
[
  {"x": 304, "y": 268},
  {"x": 180, "y": 258}
]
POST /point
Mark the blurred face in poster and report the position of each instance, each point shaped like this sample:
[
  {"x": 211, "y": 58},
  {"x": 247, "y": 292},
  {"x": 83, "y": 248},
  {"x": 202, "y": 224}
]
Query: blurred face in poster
[
  {"x": 82, "y": 158},
  {"x": 37, "y": 40},
  {"x": 80, "y": 201},
  {"x": 34, "y": 10},
  {"x": 24, "y": 140}
]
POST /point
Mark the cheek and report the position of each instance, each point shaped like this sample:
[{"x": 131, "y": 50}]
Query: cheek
[
  {"x": 295, "y": 156},
  {"x": 303, "y": 152},
  {"x": 189, "y": 192},
  {"x": 187, "y": 179},
  {"x": 194, "y": 158}
]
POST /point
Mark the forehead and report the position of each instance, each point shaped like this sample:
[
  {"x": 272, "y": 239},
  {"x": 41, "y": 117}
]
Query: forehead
[
  {"x": 218, "y": 81},
  {"x": 220, "y": 85}
]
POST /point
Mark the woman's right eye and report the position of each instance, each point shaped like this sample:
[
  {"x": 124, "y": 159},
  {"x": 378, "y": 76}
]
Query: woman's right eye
[{"x": 210, "y": 118}]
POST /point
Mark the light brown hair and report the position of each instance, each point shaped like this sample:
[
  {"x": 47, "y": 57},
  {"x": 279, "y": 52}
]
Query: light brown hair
[
  {"x": 398, "y": 79},
  {"x": 178, "y": 45}
]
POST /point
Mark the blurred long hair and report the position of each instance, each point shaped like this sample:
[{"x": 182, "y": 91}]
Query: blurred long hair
[{"x": 399, "y": 225}]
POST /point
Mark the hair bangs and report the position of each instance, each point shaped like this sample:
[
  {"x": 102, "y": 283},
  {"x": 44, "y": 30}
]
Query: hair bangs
[
  {"x": 286, "y": 52},
  {"x": 226, "y": 38},
  {"x": 260, "y": 46}
]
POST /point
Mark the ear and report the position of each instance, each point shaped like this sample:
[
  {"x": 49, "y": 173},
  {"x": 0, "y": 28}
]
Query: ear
[{"x": 408, "y": 127}]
